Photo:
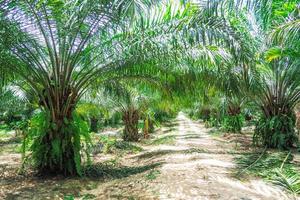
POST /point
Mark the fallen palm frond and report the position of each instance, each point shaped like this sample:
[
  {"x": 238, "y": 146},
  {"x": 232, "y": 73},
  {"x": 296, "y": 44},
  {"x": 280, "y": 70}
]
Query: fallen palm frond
[
  {"x": 275, "y": 167},
  {"x": 290, "y": 180}
]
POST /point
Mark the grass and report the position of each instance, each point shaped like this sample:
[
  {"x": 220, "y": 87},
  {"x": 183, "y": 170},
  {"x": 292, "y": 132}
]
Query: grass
[
  {"x": 10, "y": 148},
  {"x": 83, "y": 197},
  {"x": 152, "y": 174},
  {"x": 110, "y": 144},
  {"x": 127, "y": 146},
  {"x": 169, "y": 139},
  {"x": 169, "y": 130},
  {"x": 125, "y": 197},
  {"x": 69, "y": 197},
  {"x": 4, "y": 127},
  {"x": 5, "y": 133},
  {"x": 9, "y": 143}
]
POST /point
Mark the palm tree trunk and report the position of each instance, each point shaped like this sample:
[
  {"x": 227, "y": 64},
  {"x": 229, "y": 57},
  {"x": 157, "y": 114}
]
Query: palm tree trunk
[
  {"x": 58, "y": 149},
  {"x": 94, "y": 124},
  {"x": 131, "y": 120},
  {"x": 276, "y": 127},
  {"x": 151, "y": 126},
  {"x": 146, "y": 128},
  {"x": 234, "y": 118}
]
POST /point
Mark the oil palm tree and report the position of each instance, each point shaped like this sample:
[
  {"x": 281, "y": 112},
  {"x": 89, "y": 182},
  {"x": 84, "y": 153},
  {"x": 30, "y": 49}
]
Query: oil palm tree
[
  {"x": 130, "y": 106},
  {"x": 60, "y": 47},
  {"x": 14, "y": 103},
  {"x": 271, "y": 80},
  {"x": 279, "y": 83},
  {"x": 125, "y": 99}
]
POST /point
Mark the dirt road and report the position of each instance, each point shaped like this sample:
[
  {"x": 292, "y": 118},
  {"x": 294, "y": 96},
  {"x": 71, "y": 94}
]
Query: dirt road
[{"x": 200, "y": 167}]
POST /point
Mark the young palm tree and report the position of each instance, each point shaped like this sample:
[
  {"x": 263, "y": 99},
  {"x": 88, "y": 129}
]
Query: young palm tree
[
  {"x": 131, "y": 111},
  {"x": 14, "y": 102},
  {"x": 136, "y": 104}
]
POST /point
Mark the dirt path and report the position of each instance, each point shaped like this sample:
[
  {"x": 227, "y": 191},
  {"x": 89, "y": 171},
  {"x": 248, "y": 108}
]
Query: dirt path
[{"x": 190, "y": 173}]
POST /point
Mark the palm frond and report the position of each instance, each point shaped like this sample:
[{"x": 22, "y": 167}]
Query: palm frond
[{"x": 288, "y": 180}]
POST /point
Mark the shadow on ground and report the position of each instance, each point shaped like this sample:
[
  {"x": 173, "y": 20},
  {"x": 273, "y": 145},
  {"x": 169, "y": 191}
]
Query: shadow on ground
[
  {"x": 57, "y": 187},
  {"x": 112, "y": 172},
  {"x": 165, "y": 152},
  {"x": 171, "y": 124},
  {"x": 159, "y": 153}
]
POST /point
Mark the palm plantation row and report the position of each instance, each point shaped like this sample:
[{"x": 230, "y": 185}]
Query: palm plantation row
[{"x": 67, "y": 64}]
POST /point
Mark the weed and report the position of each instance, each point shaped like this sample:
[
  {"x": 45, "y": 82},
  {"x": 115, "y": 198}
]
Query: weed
[
  {"x": 69, "y": 197},
  {"x": 88, "y": 196},
  {"x": 127, "y": 146},
  {"x": 152, "y": 174},
  {"x": 169, "y": 139},
  {"x": 233, "y": 123},
  {"x": 112, "y": 145}
]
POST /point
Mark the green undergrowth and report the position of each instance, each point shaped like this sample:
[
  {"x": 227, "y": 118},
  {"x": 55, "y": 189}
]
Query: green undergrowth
[
  {"x": 276, "y": 167},
  {"x": 168, "y": 139},
  {"x": 233, "y": 123},
  {"x": 152, "y": 175},
  {"x": 9, "y": 143},
  {"x": 4, "y": 134},
  {"x": 110, "y": 144},
  {"x": 4, "y": 127},
  {"x": 10, "y": 148},
  {"x": 82, "y": 197}
]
